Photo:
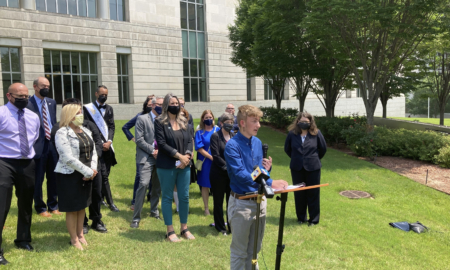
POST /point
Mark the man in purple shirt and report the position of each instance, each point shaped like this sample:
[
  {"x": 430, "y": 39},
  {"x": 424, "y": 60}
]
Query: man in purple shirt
[{"x": 19, "y": 130}]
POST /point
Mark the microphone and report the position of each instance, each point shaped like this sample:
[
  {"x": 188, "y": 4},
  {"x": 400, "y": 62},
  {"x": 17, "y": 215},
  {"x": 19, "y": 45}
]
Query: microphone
[
  {"x": 265, "y": 148},
  {"x": 260, "y": 175}
]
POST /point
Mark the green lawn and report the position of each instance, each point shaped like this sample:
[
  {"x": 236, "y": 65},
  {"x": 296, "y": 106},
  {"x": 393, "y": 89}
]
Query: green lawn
[
  {"x": 424, "y": 120},
  {"x": 352, "y": 234}
]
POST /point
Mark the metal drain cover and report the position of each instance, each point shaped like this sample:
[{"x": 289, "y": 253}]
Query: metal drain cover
[{"x": 354, "y": 194}]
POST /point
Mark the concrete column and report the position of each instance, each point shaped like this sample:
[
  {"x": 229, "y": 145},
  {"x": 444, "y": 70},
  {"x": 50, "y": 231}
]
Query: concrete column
[
  {"x": 103, "y": 9},
  {"x": 28, "y": 4},
  {"x": 107, "y": 71}
]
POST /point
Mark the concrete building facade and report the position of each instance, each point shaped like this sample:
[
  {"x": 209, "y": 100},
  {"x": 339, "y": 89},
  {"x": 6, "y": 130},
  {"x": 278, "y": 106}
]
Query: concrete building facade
[{"x": 137, "y": 48}]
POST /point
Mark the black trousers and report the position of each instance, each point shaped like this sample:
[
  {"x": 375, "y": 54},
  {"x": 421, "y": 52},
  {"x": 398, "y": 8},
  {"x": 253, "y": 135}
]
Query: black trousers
[
  {"x": 19, "y": 173},
  {"x": 105, "y": 168},
  {"x": 307, "y": 199},
  {"x": 94, "y": 209},
  {"x": 45, "y": 166},
  {"x": 220, "y": 187}
]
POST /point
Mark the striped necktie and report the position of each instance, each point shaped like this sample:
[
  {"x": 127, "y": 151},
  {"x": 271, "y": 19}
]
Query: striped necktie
[
  {"x": 24, "y": 148},
  {"x": 45, "y": 118}
]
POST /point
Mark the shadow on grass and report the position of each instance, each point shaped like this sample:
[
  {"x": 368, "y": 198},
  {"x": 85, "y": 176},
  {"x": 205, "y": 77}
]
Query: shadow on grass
[{"x": 146, "y": 236}]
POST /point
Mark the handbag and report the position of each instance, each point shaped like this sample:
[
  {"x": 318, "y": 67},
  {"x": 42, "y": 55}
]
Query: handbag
[
  {"x": 199, "y": 163},
  {"x": 418, "y": 227}
]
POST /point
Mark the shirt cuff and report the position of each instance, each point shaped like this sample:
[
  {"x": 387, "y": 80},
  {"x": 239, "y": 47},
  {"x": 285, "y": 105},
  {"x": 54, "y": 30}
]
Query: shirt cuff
[{"x": 111, "y": 141}]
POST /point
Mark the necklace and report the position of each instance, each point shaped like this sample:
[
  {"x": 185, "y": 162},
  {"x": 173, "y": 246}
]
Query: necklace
[{"x": 88, "y": 150}]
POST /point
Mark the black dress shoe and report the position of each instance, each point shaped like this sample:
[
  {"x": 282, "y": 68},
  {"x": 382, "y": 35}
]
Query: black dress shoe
[
  {"x": 99, "y": 227},
  {"x": 23, "y": 245},
  {"x": 312, "y": 224},
  {"x": 155, "y": 216},
  {"x": 134, "y": 224},
  {"x": 114, "y": 208},
  {"x": 300, "y": 222},
  {"x": 3, "y": 261},
  {"x": 103, "y": 203},
  {"x": 85, "y": 229}
]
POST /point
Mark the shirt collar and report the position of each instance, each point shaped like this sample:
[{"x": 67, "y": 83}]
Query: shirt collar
[
  {"x": 153, "y": 115},
  {"x": 243, "y": 138},
  {"x": 12, "y": 108}
]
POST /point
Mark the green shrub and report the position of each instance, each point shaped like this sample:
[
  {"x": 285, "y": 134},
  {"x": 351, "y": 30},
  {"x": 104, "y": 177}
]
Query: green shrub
[
  {"x": 443, "y": 158},
  {"x": 361, "y": 139},
  {"x": 280, "y": 118},
  {"x": 331, "y": 128}
]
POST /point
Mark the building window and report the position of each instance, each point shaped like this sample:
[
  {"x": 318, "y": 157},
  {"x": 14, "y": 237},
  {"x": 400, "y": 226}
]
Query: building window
[
  {"x": 122, "y": 71},
  {"x": 117, "y": 10},
  {"x": 83, "y": 8},
  {"x": 358, "y": 92},
  {"x": 249, "y": 88},
  {"x": 348, "y": 93},
  {"x": 268, "y": 93},
  {"x": 9, "y": 3},
  {"x": 194, "y": 51},
  {"x": 71, "y": 75},
  {"x": 10, "y": 60}
]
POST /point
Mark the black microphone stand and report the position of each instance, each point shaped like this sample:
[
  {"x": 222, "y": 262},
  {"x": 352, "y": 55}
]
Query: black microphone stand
[
  {"x": 259, "y": 199},
  {"x": 280, "y": 246}
]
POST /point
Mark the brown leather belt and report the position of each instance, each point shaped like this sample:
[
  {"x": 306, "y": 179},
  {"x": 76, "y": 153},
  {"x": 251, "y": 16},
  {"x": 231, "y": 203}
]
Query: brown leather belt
[{"x": 237, "y": 196}]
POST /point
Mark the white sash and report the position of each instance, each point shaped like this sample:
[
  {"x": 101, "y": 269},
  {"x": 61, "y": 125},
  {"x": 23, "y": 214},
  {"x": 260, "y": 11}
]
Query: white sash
[{"x": 99, "y": 120}]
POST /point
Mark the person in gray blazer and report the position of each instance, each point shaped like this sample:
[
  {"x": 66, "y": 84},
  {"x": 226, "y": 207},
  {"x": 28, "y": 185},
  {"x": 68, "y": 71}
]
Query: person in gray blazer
[{"x": 146, "y": 158}]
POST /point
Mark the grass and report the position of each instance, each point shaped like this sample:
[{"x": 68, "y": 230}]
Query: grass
[
  {"x": 424, "y": 120},
  {"x": 352, "y": 234}
]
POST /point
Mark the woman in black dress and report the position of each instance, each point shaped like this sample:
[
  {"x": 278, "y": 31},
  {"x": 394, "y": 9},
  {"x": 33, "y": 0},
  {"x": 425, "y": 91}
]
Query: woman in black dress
[
  {"x": 77, "y": 166},
  {"x": 218, "y": 175}
]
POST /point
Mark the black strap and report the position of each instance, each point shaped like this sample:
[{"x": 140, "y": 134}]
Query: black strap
[
  {"x": 184, "y": 231},
  {"x": 169, "y": 234}
]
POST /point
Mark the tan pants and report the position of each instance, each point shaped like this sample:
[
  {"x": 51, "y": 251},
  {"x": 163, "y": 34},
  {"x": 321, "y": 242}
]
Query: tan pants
[{"x": 242, "y": 218}]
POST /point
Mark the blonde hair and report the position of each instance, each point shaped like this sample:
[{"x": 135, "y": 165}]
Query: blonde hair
[
  {"x": 205, "y": 112},
  {"x": 164, "y": 117},
  {"x": 248, "y": 110},
  {"x": 68, "y": 112},
  {"x": 297, "y": 130}
]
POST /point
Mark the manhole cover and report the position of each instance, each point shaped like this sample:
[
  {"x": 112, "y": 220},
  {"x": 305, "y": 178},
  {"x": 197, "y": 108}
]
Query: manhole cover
[{"x": 354, "y": 194}]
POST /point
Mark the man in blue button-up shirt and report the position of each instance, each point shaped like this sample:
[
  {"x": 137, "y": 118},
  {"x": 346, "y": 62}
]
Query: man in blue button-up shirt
[{"x": 242, "y": 153}]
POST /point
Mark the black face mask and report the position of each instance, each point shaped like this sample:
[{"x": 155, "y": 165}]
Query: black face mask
[
  {"x": 44, "y": 92},
  {"x": 304, "y": 126},
  {"x": 174, "y": 109},
  {"x": 20, "y": 103},
  {"x": 148, "y": 109},
  {"x": 102, "y": 99},
  {"x": 227, "y": 127}
]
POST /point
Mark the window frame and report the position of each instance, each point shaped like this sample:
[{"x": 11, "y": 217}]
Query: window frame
[
  {"x": 67, "y": 8},
  {"x": 117, "y": 10},
  {"x": 10, "y": 72},
  {"x": 72, "y": 74},
  {"x": 120, "y": 75},
  {"x": 202, "y": 81},
  {"x": 7, "y": 4}
]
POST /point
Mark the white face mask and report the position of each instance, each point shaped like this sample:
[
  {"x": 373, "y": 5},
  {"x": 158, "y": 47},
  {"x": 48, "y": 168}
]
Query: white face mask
[{"x": 78, "y": 120}]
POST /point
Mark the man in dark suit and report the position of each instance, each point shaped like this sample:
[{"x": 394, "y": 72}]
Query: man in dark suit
[
  {"x": 102, "y": 115},
  {"x": 45, "y": 158},
  {"x": 94, "y": 209}
]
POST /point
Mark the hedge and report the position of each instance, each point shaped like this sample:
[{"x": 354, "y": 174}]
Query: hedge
[{"x": 429, "y": 146}]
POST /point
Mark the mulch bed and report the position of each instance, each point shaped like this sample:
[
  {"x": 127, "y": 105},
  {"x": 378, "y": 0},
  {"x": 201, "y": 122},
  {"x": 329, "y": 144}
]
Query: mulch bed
[{"x": 438, "y": 178}]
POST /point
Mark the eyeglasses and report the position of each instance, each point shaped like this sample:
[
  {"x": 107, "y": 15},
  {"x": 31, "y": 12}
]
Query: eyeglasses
[
  {"x": 22, "y": 96},
  {"x": 230, "y": 108},
  {"x": 304, "y": 122}
]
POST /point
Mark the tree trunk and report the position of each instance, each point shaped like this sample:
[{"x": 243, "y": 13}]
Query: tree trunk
[
  {"x": 384, "y": 103},
  {"x": 301, "y": 102},
  {"x": 370, "y": 116},
  {"x": 441, "y": 114},
  {"x": 278, "y": 101}
]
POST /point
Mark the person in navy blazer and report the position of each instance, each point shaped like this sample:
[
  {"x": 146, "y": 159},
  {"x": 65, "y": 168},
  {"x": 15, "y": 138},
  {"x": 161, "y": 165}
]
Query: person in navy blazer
[
  {"x": 46, "y": 156},
  {"x": 306, "y": 146}
]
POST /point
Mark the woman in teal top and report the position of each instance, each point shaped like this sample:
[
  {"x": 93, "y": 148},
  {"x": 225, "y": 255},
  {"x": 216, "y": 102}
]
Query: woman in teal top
[{"x": 202, "y": 141}]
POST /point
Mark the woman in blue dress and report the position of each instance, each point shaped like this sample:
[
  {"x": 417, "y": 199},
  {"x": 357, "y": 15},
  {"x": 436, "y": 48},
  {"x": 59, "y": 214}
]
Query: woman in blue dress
[{"x": 202, "y": 141}]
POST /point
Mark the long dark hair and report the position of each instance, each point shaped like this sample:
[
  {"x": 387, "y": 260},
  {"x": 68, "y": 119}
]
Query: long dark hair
[
  {"x": 146, "y": 102},
  {"x": 297, "y": 130}
]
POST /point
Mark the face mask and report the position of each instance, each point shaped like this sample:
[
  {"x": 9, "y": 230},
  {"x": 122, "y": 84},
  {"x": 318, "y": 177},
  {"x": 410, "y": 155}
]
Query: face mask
[
  {"x": 148, "y": 109},
  {"x": 208, "y": 122},
  {"x": 44, "y": 92},
  {"x": 227, "y": 127},
  {"x": 78, "y": 120},
  {"x": 158, "y": 110},
  {"x": 174, "y": 109},
  {"x": 304, "y": 126},
  {"x": 20, "y": 103},
  {"x": 102, "y": 99}
]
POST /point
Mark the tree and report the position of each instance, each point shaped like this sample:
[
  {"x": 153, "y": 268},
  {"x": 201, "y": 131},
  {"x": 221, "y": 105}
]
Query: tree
[
  {"x": 417, "y": 103},
  {"x": 437, "y": 70},
  {"x": 257, "y": 48},
  {"x": 376, "y": 36}
]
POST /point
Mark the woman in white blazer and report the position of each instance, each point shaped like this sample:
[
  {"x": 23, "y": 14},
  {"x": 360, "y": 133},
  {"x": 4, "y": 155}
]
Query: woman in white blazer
[{"x": 77, "y": 166}]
